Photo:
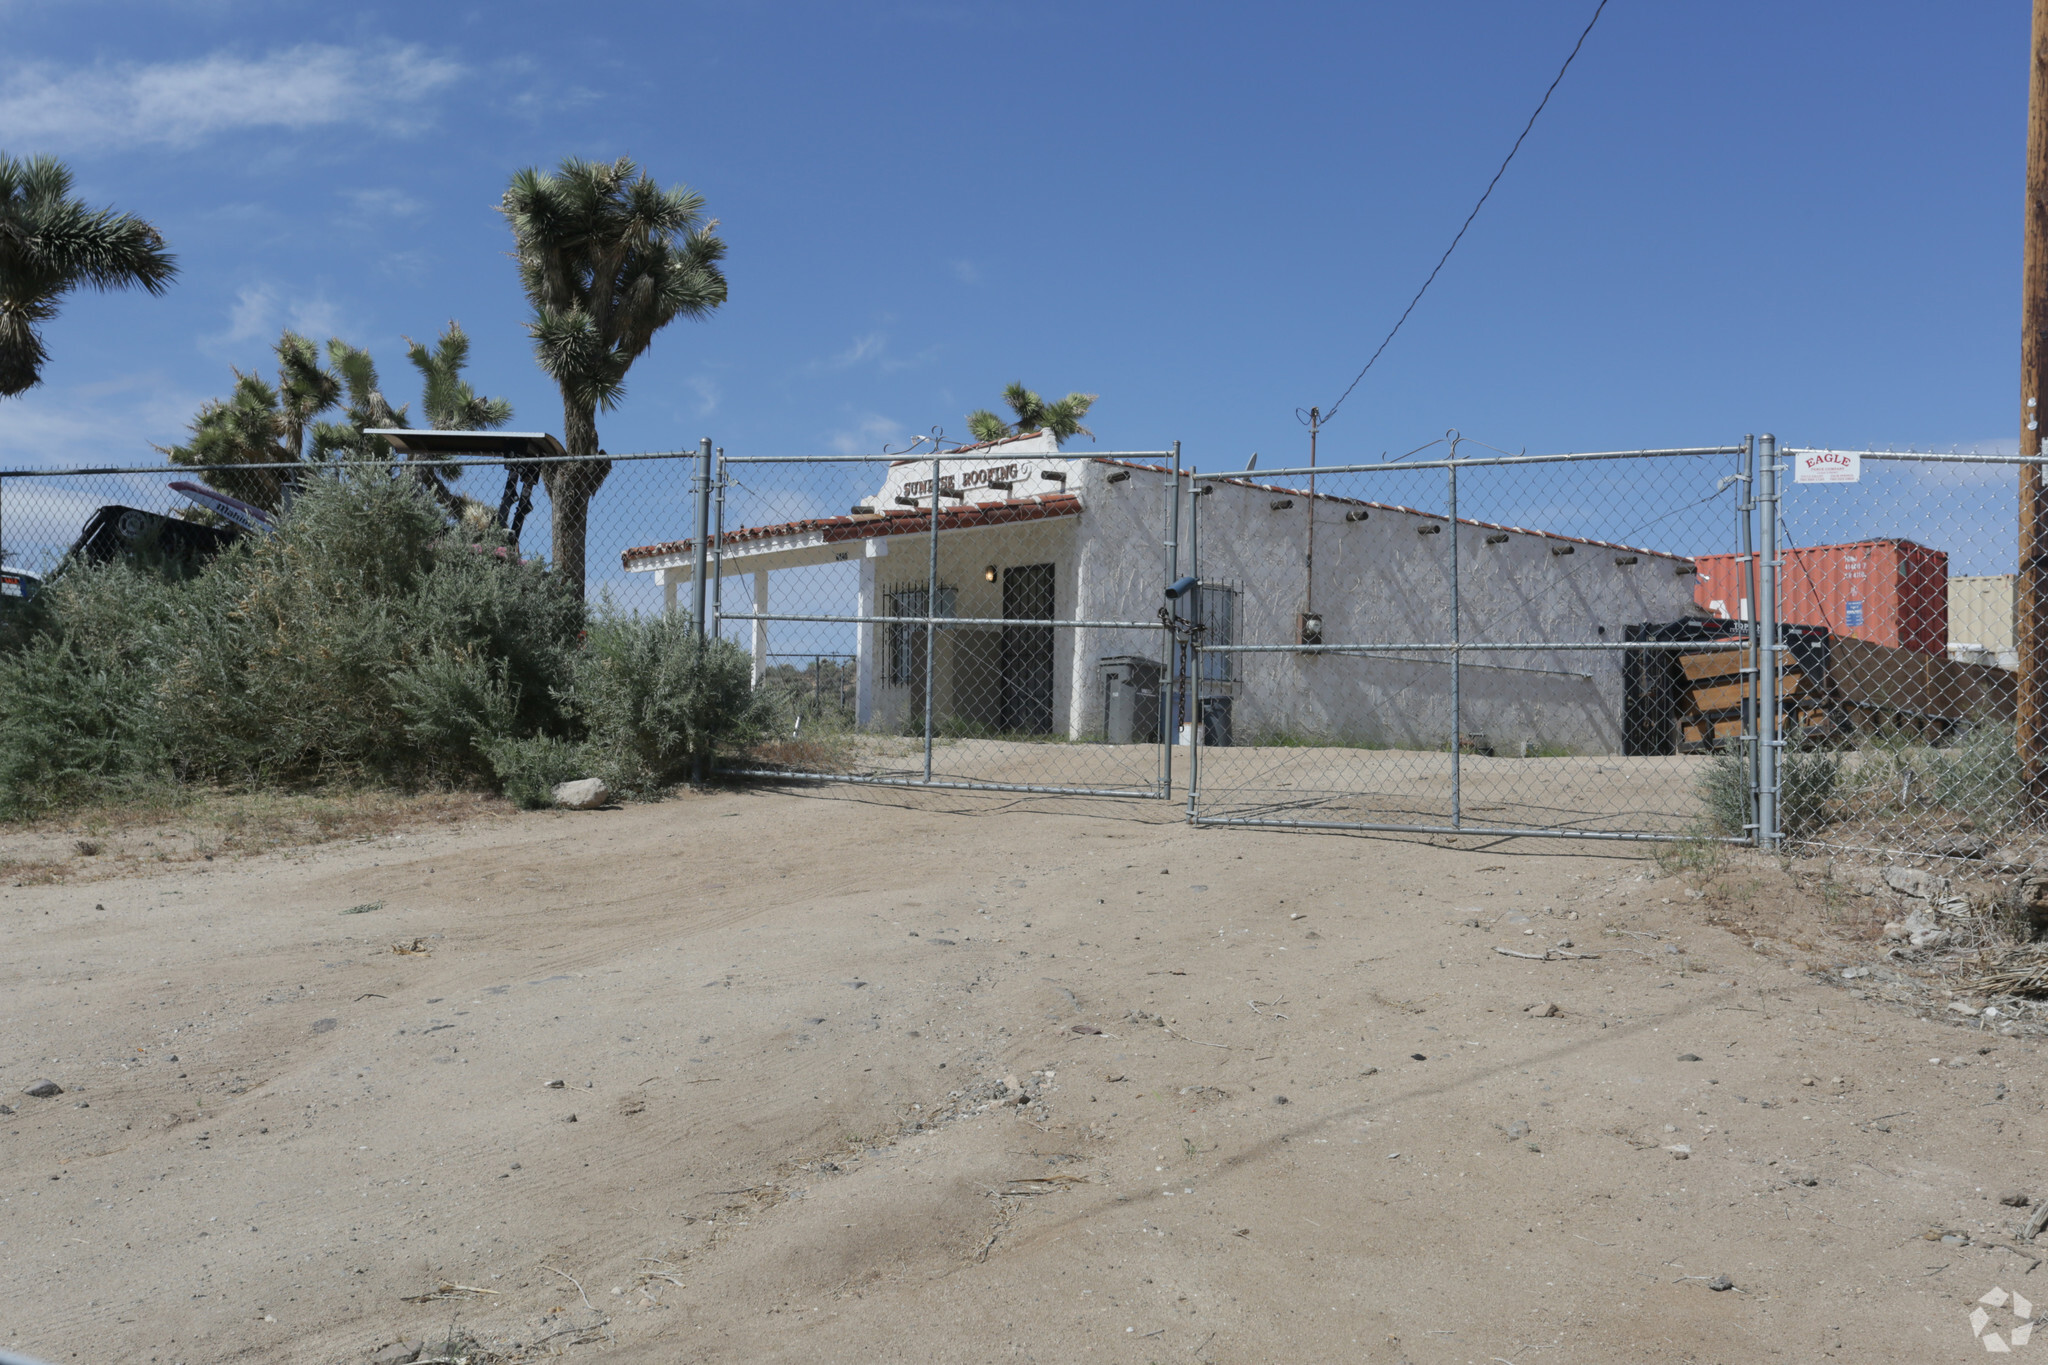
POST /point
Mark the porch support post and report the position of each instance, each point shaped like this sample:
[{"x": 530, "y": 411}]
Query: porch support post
[{"x": 760, "y": 627}]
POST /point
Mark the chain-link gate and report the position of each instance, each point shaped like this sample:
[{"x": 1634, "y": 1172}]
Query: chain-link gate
[
  {"x": 1497, "y": 645},
  {"x": 1900, "y": 668},
  {"x": 983, "y": 619}
]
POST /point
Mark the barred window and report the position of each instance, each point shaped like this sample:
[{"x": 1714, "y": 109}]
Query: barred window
[
  {"x": 1216, "y": 612},
  {"x": 906, "y": 642}
]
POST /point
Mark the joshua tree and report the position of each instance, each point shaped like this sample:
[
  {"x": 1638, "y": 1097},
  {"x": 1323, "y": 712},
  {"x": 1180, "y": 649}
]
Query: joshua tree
[
  {"x": 1061, "y": 418},
  {"x": 607, "y": 258},
  {"x": 448, "y": 402},
  {"x": 451, "y": 404},
  {"x": 50, "y": 244},
  {"x": 259, "y": 424},
  {"x": 264, "y": 424}
]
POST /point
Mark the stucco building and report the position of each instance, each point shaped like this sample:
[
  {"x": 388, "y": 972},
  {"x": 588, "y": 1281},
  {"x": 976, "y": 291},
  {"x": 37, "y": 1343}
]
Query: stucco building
[{"x": 1029, "y": 533}]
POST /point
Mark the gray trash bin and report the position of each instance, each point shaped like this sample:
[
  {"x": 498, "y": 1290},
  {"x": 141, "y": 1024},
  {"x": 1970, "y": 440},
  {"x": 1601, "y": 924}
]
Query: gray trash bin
[{"x": 1130, "y": 699}]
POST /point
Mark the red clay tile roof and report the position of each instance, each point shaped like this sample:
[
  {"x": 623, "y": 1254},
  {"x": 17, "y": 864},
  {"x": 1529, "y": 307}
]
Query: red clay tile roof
[{"x": 899, "y": 521}]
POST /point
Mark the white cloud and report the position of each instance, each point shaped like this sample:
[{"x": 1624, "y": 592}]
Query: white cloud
[
  {"x": 259, "y": 314},
  {"x": 180, "y": 103},
  {"x": 869, "y": 432},
  {"x": 872, "y": 347},
  {"x": 110, "y": 421},
  {"x": 384, "y": 203},
  {"x": 865, "y": 347},
  {"x": 254, "y": 307},
  {"x": 967, "y": 272},
  {"x": 707, "y": 394}
]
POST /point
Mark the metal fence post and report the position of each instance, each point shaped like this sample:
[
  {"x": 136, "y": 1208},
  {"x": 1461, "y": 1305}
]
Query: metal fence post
[
  {"x": 1746, "y": 592},
  {"x": 931, "y": 615},
  {"x": 703, "y": 535},
  {"x": 718, "y": 552},
  {"x": 1194, "y": 645},
  {"x": 1770, "y": 746},
  {"x": 1457, "y": 639},
  {"x": 1170, "y": 686}
]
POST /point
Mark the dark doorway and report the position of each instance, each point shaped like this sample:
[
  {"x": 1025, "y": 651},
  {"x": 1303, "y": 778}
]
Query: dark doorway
[{"x": 1027, "y": 650}]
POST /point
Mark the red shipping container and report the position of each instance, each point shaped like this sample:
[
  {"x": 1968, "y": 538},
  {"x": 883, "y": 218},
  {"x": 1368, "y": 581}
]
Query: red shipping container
[{"x": 1889, "y": 592}]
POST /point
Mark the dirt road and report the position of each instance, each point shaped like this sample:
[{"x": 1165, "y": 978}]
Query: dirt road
[{"x": 760, "y": 1076}]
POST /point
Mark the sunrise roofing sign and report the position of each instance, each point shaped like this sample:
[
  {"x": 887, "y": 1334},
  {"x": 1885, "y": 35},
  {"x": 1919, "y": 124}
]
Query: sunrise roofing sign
[{"x": 1826, "y": 466}]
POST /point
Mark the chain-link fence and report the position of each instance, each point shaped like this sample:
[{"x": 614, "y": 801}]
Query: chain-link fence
[
  {"x": 984, "y": 619},
  {"x": 1506, "y": 644},
  {"x": 1564, "y": 645},
  {"x": 1897, "y": 602},
  {"x": 49, "y": 517}
]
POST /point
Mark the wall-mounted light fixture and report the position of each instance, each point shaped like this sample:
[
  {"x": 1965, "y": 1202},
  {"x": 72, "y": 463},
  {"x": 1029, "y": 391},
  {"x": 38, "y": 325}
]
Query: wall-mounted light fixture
[
  {"x": 1359, "y": 515},
  {"x": 1053, "y": 476},
  {"x": 1623, "y": 561},
  {"x": 908, "y": 502},
  {"x": 988, "y": 575},
  {"x": 1430, "y": 530},
  {"x": 1280, "y": 504},
  {"x": 1686, "y": 570},
  {"x": 1005, "y": 484},
  {"x": 1309, "y": 628},
  {"x": 1119, "y": 476},
  {"x": 861, "y": 509},
  {"x": 1500, "y": 539},
  {"x": 1563, "y": 549}
]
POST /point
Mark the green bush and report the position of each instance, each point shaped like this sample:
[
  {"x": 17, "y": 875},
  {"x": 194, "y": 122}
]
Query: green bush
[
  {"x": 528, "y": 770},
  {"x": 653, "y": 699},
  {"x": 1979, "y": 777},
  {"x": 1807, "y": 784},
  {"x": 368, "y": 640},
  {"x": 1723, "y": 789}
]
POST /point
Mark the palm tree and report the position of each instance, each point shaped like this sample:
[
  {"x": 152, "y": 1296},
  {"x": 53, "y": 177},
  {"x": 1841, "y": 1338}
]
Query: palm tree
[
  {"x": 607, "y": 258},
  {"x": 1062, "y": 418},
  {"x": 50, "y": 244}
]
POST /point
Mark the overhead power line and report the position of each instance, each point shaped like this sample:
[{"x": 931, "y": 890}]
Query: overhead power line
[{"x": 1332, "y": 410}]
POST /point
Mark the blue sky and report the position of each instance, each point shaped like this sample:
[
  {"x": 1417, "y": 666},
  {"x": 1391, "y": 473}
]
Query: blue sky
[{"x": 1797, "y": 216}]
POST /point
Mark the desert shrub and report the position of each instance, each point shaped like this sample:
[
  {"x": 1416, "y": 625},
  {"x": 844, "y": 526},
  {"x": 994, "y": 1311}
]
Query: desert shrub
[
  {"x": 365, "y": 641},
  {"x": 72, "y": 728},
  {"x": 1979, "y": 777},
  {"x": 1723, "y": 789},
  {"x": 652, "y": 698},
  {"x": 528, "y": 770},
  {"x": 1807, "y": 784}
]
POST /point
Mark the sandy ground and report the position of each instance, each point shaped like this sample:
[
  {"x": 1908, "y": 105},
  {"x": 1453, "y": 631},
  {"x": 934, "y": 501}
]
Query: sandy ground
[{"x": 736, "y": 1077}]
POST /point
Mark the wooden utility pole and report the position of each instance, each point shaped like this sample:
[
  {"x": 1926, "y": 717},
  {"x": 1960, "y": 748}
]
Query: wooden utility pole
[{"x": 2031, "y": 586}]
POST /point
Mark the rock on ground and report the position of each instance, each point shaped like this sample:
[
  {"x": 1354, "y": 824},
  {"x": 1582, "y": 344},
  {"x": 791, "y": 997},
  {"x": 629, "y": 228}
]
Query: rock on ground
[{"x": 585, "y": 794}]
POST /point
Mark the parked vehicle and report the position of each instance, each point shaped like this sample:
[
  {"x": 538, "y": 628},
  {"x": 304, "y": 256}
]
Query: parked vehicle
[{"x": 18, "y": 585}]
